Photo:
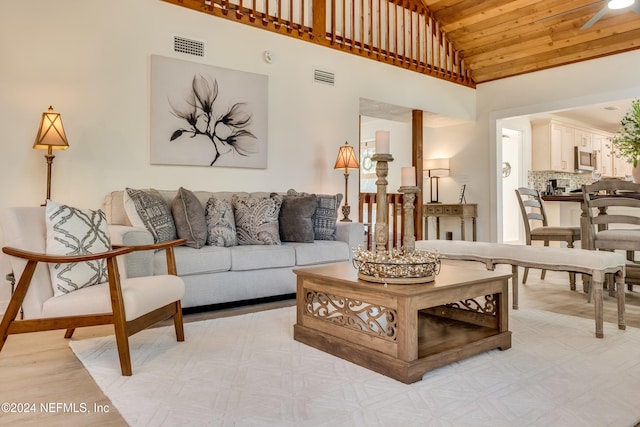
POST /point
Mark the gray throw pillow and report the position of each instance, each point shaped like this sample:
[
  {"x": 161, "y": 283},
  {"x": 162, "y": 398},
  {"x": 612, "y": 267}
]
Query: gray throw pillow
[
  {"x": 257, "y": 219},
  {"x": 296, "y": 218},
  {"x": 189, "y": 217},
  {"x": 324, "y": 220},
  {"x": 72, "y": 231},
  {"x": 221, "y": 225},
  {"x": 155, "y": 214}
]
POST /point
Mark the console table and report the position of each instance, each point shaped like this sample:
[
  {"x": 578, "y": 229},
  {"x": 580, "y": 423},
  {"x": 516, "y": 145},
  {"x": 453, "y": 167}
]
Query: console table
[{"x": 457, "y": 210}]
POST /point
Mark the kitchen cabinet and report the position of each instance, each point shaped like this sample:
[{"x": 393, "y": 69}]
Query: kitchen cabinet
[
  {"x": 583, "y": 138},
  {"x": 604, "y": 159},
  {"x": 552, "y": 146},
  {"x": 621, "y": 168}
]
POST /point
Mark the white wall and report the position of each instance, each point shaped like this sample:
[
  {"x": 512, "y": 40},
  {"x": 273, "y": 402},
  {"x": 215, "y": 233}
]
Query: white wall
[
  {"x": 400, "y": 143},
  {"x": 90, "y": 60}
]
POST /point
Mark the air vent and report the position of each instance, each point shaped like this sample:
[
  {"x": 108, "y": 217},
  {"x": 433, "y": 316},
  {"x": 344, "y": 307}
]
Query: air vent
[
  {"x": 188, "y": 46},
  {"x": 324, "y": 77}
]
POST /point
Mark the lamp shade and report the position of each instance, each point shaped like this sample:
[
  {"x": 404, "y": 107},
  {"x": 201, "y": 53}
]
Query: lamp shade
[
  {"x": 346, "y": 158},
  {"x": 51, "y": 132},
  {"x": 436, "y": 167}
]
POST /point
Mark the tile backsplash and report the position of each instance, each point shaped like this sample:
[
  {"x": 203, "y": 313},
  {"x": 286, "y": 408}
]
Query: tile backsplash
[{"x": 538, "y": 180}]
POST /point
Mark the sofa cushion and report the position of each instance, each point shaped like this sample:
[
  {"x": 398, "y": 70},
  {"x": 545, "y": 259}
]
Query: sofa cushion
[
  {"x": 319, "y": 252},
  {"x": 253, "y": 257},
  {"x": 326, "y": 215},
  {"x": 207, "y": 259},
  {"x": 257, "y": 219},
  {"x": 296, "y": 218},
  {"x": 72, "y": 231},
  {"x": 221, "y": 225},
  {"x": 189, "y": 218},
  {"x": 147, "y": 208}
]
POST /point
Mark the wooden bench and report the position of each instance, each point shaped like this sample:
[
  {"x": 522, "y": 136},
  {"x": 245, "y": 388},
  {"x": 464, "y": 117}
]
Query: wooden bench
[{"x": 596, "y": 264}]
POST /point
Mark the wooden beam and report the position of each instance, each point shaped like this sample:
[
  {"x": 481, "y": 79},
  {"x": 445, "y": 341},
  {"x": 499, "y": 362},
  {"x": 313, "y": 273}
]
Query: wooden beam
[{"x": 416, "y": 156}]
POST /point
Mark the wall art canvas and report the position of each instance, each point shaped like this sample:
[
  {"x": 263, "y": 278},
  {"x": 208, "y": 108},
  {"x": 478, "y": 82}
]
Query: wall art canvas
[{"x": 204, "y": 115}]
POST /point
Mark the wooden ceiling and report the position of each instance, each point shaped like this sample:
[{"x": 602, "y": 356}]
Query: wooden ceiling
[{"x": 502, "y": 38}]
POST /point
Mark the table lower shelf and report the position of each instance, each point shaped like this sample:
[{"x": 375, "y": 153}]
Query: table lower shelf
[{"x": 440, "y": 341}]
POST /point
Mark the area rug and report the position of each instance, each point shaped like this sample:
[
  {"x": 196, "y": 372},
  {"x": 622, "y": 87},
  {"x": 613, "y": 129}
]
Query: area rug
[{"x": 248, "y": 371}]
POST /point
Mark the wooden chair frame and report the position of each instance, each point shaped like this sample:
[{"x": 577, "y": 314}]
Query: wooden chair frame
[
  {"x": 123, "y": 329},
  {"x": 534, "y": 201}
]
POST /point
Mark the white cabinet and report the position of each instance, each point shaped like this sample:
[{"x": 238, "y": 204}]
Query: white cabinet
[
  {"x": 602, "y": 148},
  {"x": 583, "y": 138},
  {"x": 552, "y": 146},
  {"x": 621, "y": 167}
]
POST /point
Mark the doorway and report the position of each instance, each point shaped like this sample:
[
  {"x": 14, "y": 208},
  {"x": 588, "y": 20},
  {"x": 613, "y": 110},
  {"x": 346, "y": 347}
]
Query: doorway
[{"x": 512, "y": 178}]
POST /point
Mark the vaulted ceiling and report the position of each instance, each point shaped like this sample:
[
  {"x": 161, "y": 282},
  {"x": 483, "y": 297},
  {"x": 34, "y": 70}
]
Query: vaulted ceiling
[{"x": 502, "y": 38}]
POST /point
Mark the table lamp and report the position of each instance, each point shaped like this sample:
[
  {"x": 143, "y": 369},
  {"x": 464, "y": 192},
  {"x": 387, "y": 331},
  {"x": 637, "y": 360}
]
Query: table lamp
[
  {"x": 346, "y": 159},
  {"x": 435, "y": 169},
  {"x": 50, "y": 137}
]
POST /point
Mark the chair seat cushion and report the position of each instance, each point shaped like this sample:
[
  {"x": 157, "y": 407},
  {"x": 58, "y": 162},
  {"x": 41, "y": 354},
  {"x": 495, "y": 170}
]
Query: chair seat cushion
[
  {"x": 619, "y": 235},
  {"x": 141, "y": 295},
  {"x": 556, "y": 231}
]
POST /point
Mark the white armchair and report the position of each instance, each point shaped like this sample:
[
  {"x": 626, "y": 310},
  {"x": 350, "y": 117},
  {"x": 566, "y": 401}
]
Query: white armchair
[{"x": 130, "y": 304}]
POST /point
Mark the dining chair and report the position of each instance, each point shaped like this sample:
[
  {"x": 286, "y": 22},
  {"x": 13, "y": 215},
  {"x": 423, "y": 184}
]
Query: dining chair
[
  {"x": 129, "y": 304},
  {"x": 612, "y": 209},
  {"x": 537, "y": 228}
]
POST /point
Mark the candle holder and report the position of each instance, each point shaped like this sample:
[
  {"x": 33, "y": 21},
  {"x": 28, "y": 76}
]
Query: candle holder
[
  {"x": 382, "y": 217},
  {"x": 408, "y": 199},
  {"x": 401, "y": 266}
]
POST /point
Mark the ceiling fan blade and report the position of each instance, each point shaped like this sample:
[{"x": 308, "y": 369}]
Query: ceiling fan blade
[{"x": 595, "y": 18}]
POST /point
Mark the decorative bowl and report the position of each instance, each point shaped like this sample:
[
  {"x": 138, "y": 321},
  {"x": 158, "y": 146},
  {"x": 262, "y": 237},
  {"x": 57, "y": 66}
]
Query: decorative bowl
[{"x": 396, "y": 266}]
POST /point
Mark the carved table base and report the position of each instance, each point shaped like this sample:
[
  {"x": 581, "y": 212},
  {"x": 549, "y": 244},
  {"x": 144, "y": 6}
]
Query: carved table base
[{"x": 402, "y": 331}]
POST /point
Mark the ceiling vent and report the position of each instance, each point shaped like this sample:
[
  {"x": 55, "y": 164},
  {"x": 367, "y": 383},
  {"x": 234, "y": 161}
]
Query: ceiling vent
[
  {"x": 324, "y": 77},
  {"x": 189, "y": 46}
]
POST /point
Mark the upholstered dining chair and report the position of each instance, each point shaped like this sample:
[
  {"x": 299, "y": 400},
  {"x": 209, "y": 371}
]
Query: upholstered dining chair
[
  {"x": 536, "y": 227},
  {"x": 612, "y": 209},
  {"x": 130, "y": 304}
]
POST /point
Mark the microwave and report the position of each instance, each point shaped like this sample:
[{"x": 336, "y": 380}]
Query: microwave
[{"x": 585, "y": 159}]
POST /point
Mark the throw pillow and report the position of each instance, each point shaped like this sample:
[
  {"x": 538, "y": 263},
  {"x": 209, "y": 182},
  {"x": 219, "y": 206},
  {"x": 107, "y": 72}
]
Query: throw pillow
[
  {"x": 153, "y": 212},
  {"x": 296, "y": 218},
  {"x": 324, "y": 220},
  {"x": 221, "y": 225},
  {"x": 189, "y": 218},
  {"x": 257, "y": 219},
  {"x": 72, "y": 231}
]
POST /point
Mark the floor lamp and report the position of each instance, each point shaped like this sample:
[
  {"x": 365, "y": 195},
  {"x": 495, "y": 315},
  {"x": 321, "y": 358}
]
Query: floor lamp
[
  {"x": 346, "y": 160},
  {"x": 50, "y": 137},
  {"x": 435, "y": 168}
]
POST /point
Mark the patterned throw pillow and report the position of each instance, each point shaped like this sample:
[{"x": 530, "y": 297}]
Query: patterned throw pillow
[
  {"x": 324, "y": 220},
  {"x": 152, "y": 212},
  {"x": 257, "y": 219},
  {"x": 72, "y": 231},
  {"x": 221, "y": 225},
  {"x": 296, "y": 218},
  {"x": 188, "y": 215}
]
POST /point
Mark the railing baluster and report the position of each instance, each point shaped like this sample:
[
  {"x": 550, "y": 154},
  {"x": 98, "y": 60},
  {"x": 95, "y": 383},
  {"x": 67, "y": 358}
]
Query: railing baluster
[{"x": 419, "y": 44}]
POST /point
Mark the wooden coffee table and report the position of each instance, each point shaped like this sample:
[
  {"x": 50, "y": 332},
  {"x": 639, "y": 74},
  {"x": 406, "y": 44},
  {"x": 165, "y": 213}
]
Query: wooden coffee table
[{"x": 402, "y": 331}]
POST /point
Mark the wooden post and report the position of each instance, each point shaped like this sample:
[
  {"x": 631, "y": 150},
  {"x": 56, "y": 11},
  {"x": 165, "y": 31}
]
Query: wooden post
[
  {"x": 319, "y": 8},
  {"x": 416, "y": 155}
]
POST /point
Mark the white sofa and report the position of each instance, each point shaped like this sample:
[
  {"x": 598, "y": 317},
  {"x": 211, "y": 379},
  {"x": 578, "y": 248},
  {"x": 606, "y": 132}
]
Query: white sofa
[{"x": 215, "y": 275}]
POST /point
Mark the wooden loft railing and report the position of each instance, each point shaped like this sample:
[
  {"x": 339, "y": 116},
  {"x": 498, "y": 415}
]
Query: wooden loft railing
[{"x": 401, "y": 32}]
